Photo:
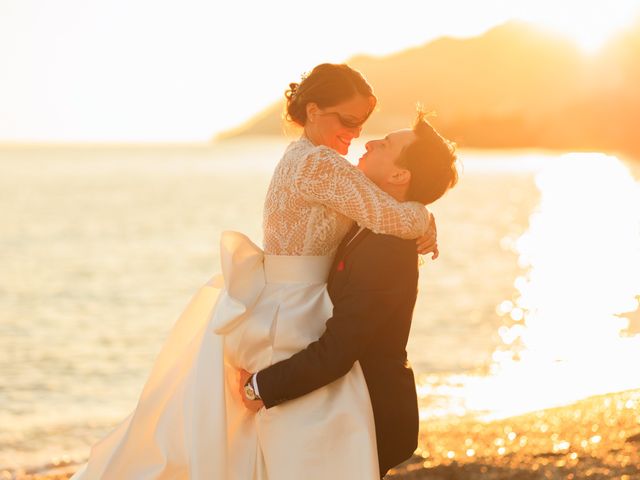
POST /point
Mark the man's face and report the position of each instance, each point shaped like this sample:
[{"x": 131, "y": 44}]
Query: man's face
[{"x": 379, "y": 163}]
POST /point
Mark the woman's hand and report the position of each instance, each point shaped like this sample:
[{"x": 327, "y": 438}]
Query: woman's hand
[{"x": 428, "y": 243}]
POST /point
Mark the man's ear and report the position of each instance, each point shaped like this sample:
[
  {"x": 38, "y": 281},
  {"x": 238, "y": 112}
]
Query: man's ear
[{"x": 401, "y": 176}]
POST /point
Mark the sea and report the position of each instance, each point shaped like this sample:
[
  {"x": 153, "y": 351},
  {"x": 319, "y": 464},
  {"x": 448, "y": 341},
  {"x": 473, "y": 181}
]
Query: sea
[{"x": 101, "y": 247}]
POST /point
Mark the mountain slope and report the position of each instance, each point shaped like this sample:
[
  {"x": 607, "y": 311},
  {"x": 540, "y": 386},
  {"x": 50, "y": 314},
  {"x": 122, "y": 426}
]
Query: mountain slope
[{"x": 514, "y": 86}]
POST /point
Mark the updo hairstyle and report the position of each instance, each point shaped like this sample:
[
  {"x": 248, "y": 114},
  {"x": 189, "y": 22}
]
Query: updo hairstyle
[{"x": 327, "y": 85}]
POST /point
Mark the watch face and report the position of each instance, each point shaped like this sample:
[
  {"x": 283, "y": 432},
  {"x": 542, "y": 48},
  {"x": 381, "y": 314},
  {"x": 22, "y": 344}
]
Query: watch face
[{"x": 249, "y": 393}]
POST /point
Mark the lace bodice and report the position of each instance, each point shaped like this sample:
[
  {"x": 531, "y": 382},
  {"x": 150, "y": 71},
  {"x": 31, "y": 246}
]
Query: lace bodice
[{"x": 316, "y": 194}]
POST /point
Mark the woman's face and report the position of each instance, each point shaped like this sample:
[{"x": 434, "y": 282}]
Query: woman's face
[{"x": 337, "y": 125}]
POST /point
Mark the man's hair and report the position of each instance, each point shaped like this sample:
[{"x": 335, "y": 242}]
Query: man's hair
[{"x": 431, "y": 159}]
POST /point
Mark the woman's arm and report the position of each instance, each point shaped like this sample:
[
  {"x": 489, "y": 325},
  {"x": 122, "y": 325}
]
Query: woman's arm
[{"x": 328, "y": 178}]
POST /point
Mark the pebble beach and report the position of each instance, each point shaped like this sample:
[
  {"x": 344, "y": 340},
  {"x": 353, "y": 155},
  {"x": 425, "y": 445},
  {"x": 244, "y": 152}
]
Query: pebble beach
[{"x": 595, "y": 438}]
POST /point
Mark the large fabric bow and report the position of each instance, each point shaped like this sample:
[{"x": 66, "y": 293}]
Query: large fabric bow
[{"x": 242, "y": 280}]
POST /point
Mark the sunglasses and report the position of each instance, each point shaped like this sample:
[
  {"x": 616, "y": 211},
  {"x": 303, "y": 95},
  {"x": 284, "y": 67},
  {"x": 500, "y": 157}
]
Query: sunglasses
[{"x": 345, "y": 122}]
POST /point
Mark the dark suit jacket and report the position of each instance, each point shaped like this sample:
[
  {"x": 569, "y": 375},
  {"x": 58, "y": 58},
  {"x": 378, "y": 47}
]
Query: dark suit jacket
[{"x": 373, "y": 287}]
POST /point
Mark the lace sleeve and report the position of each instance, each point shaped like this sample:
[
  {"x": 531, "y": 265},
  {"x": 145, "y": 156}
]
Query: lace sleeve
[{"x": 326, "y": 177}]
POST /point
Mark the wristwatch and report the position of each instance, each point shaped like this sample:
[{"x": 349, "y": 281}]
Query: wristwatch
[{"x": 249, "y": 391}]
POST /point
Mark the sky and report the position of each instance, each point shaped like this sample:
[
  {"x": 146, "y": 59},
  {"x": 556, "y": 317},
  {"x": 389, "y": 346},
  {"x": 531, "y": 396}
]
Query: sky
[{"x": 184, "y": 70}]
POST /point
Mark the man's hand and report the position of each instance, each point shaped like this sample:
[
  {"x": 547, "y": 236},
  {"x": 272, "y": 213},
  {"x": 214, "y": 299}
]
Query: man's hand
[
  {"x": 253, "y": 405},
  {"x": 428, "y": 243}
]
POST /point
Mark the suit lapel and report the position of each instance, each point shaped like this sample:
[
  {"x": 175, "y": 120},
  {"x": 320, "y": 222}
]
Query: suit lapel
[
  {"x": 346, "y": 247},
  {"x": 345, "y": 240}
]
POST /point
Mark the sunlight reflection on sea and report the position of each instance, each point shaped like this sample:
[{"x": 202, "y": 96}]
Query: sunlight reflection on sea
[{"x": 567, "y": 332}]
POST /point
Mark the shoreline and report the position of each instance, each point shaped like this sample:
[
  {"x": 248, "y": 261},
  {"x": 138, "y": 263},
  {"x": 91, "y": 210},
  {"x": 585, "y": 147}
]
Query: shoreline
[{"x": 595, "y": 438}]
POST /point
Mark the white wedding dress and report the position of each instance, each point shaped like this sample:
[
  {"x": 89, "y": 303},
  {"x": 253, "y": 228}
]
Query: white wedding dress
[{"x": 266, "y": 305}]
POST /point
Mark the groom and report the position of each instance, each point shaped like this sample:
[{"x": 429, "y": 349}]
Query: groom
[{"x": 373, "y": 286}]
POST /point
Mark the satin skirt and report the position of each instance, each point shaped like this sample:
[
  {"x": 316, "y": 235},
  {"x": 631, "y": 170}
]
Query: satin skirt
[{"x": 190, "y": 422}]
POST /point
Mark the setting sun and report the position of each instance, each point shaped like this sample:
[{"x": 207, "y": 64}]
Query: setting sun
[{"x": 589, "y": 26}]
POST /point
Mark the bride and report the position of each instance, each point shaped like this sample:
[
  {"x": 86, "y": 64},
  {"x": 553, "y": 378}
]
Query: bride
[{"x": 190, "y": 422}]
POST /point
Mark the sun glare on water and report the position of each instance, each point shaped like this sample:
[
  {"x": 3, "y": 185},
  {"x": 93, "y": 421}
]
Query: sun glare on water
[{"x": 565, "y": 335}]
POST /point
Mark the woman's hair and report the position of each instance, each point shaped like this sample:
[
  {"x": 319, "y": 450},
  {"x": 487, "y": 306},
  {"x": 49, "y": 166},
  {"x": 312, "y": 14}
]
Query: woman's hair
[
  {"x": 327, "y": 85},
  {"x": 431, "y": 159}
]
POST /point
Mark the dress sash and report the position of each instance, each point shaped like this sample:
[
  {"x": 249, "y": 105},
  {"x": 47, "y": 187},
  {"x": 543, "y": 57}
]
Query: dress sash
[{"x": 246, "y": 270}]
